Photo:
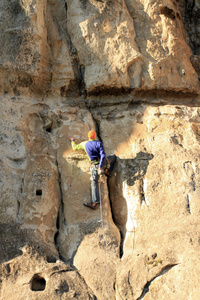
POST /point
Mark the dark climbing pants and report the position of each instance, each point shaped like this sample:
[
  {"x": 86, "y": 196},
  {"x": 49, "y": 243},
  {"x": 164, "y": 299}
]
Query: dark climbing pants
[{"x": 95, "y": 177}]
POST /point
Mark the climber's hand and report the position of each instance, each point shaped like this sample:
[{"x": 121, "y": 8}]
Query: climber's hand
[
  {"x": 100, "y": 171},
  {"x": 71, "y": 138}
]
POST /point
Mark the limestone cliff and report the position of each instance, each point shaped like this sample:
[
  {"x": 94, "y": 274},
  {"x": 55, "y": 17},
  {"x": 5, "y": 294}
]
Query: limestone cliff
[{"x": 130, "y": 70}]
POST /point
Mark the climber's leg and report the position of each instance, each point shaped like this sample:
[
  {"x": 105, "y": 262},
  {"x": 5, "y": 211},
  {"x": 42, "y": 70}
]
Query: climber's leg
[{"x": 94, "y": 185}]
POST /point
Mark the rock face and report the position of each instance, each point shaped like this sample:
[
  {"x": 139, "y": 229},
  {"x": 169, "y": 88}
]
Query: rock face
[
  {"x": 54, "y": 281},
  {"x": 129, "y": 70}
]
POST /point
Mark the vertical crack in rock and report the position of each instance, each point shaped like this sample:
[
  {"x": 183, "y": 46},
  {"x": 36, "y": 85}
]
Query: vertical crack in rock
[
  {"x": 96, "y": 122},
  {"x": 188, "y": 204},
  {"x": 82, "y": 86},
  {"x": 193, "y": 182},
  {"x": 65, "y": 5},
  {"x": 142, "y": 193},
  {"x": 61, "y": 216},
  {"x": 142, "y": 182},
  {"x": 61, "y": 193},
  {"x": 22, "y": 185},
  {"x": 190, "y": 171},
  {"x": 18, "y": 209},
  {"x": 78, "y": 69},
  {"x": 66, "y": 72},
  {"x": 20, "y": 195},
  {"x": 147, "y": 285},
  {"x": 130, "y": 283},
  {"x": 97, "y": 128}
]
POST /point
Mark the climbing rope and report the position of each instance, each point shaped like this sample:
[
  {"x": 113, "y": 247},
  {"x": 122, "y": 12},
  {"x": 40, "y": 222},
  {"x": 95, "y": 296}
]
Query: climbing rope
[{"x": 104, "y": 245}]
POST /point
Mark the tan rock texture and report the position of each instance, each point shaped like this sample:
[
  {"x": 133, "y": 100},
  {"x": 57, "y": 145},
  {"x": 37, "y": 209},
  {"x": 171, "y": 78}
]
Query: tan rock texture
[
  {"x": 39, "y": 279},
  {"x": 129, "y": 70}
]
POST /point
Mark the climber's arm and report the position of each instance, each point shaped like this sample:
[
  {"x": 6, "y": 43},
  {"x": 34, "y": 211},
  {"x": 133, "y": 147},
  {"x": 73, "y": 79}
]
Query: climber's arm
[
  {"x": 76, "y": 147},
  {"x": 102, "y": 155}
]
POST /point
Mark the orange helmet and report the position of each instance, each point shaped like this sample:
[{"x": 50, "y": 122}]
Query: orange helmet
[{"x": 92, "y": 135}]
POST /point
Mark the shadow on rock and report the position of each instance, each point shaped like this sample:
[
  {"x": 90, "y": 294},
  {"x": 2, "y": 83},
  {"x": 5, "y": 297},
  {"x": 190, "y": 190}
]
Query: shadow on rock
[{"x": 128, "y": 173}]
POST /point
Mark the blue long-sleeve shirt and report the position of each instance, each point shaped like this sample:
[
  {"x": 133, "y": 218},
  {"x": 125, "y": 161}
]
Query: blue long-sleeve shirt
[{"x": 94, "y": 150}]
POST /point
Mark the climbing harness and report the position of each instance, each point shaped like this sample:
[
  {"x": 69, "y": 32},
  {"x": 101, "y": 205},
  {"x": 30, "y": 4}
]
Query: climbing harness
[{"x": 104, "y": 245}]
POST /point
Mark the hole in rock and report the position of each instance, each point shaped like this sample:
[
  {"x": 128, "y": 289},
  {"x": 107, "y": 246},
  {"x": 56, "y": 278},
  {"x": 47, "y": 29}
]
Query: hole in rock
[
  {"x": 49, "y": 129},
  {"x": 168, "y": 12},
  {"x": 38, "y": 283},
  {"x": 51, "y": 259},
  {"x": 39, "y": 192}
]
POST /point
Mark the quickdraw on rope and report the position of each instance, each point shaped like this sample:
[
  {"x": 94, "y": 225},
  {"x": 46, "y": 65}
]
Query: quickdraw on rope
[{"x": 104, "y": 245}]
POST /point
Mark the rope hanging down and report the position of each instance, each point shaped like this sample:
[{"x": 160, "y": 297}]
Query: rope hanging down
[{"x": 104, "y": 245}]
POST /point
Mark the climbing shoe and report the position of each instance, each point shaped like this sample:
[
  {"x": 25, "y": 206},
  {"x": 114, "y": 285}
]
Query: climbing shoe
[{"x": 91, "y": 205}]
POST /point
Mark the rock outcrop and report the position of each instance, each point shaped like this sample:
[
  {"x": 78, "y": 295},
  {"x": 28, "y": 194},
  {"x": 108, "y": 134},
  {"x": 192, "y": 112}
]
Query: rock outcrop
[{"x": 130, "y": 70}]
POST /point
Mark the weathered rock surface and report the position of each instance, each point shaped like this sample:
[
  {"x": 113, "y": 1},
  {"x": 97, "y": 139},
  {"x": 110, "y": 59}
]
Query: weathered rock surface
[
  {"x": 62, "y": 47},
  {"x": 128, "y": 69},
  {"x": 103, "y": 34},
  {"x": 155, "y": 198},
  {"x": 29, "y": 276}
]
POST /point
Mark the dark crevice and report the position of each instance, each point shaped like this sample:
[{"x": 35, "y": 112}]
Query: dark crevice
[
  {"x": 130, "y": 285},
  {"x": 57, "y": 233},
  {"x": 97, "y": 103},
  {"x": 60, "y": 212},
  {"x": 96, "y": 122},
  {"x": 82, "y": 86},
  {"x": 188, "y": 204},
  {"x": 111, "y": 91},
  {"x": 61, "y": 193},
  {"x": 142, "y": 195},
  {"x": 97, "y": 127},
  {"x": 147, "y": 285},
  {"x": 193, "y": 182},
  {"x": 78, "y": 84},
  {"x": 66, "y": 8},
  {"x": 19, "y": 199},
  {"x": 22, "y": 185},
  {"x": 169, "y": 13},
  {"x": 62, "y": 271},
  {"x": 142, "y": 162},
  {"x": 18, "y": 208}
]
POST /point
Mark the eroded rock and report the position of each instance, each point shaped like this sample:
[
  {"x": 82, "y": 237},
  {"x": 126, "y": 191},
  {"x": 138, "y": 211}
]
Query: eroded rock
[
  {"x": 38, "y": 278},
  {"x": 125, "y": 69}
]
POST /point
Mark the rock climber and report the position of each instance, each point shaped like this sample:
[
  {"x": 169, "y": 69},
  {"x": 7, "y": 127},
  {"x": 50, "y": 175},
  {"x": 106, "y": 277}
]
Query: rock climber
[{"x": 99, "y": 163}]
